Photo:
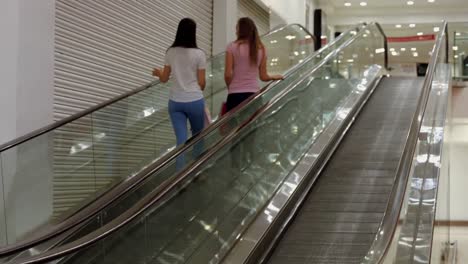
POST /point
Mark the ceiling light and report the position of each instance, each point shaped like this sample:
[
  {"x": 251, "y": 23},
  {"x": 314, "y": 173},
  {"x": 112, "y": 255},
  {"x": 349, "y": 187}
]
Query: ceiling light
[
  {"x": 394, "y": 53},
  {"x": 431, "y": 1},
  {"x": 415, "y": 54},
  {"x": 381, "y": 50},
  {"x": 436, "y": 29},
  {"x": 412, "y": 25},
  {"x": 403, "y": 49},
  {"x": 458, "y": 34},
  {"x": 413, "y": 49},
  {"x": 363, "y": 3},
  {"x": 392, "y": 49},
  {"x": 456, "y": 56},
  {"x": 347, "y": 4},
  {"x": 420, "y": 34},
  {"x": 455, "y": 48},
  {"x": 398, "y": 26},
  {"x": 410, "y": 3}
]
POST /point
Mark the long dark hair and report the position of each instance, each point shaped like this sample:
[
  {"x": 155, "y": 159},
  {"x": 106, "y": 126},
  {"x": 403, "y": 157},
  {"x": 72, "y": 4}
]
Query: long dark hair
[
  {"x": 186, "y": 36},
  {"x": 247, "y": 31}
]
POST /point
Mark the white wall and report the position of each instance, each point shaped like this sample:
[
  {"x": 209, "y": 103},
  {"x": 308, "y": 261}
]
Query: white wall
[
  {"x": 224, "y": 24},
  {"x": 290, "y": 11},
  {"x": 8, "y": 65},
  {"x": 26, "y": 67},
  {"x": 35, "y": 72}
]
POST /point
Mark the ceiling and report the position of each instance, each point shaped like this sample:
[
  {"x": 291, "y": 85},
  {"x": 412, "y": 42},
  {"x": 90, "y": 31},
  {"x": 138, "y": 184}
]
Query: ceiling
[
  {"x": 396, "y": 16},
  {"x": 398, "y": 3},
  {"x": 394, "y": 11}
]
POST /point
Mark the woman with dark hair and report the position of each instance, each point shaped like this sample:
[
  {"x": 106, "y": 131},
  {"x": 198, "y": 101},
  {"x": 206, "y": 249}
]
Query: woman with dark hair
[
  {"x": 187, "y": 64},
  {"x": 246, "y": 61}
]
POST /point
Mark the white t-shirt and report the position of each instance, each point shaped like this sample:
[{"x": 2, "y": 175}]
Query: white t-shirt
[{"x": 185, "y": 64}]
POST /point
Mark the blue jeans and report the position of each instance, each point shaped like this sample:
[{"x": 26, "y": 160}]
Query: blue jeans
[{"x": 179, "y": 113}]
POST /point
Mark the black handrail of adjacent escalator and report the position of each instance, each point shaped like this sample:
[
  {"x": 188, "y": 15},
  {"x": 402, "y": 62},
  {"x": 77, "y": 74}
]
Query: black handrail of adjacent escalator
[
  {"x": 387, "y": 229},
  {"x": 379, "y": 27},
  {"x": 115, "y": 193},
  {"x": 161, "y": 191},
  {"x": 15, "y": 142}
]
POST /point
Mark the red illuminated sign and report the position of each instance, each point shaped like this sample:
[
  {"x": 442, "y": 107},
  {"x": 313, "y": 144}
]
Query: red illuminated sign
[{"x": 412, "y": 38}]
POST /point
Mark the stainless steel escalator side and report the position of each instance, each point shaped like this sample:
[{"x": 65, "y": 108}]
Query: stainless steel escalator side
[
  {"x": 385, "y": 235},
  {"x": 108, "y": 197},
  {"x": 158, "y": 194}
]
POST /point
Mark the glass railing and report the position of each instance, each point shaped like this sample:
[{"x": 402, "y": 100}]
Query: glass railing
[
  {"x": 53, "y": 174},
  {"x": 202, "y": 212},
  {"x": 419, "y": 211}
]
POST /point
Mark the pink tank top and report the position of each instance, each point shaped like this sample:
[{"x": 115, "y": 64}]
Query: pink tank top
[{"x": 245, "y": 75}]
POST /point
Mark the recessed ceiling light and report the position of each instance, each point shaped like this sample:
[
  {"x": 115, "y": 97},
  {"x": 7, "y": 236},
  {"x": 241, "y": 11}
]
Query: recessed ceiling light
[
  {"x": 347, "y": 4},
  {"x": 398, "y": 26},
  {"x": 455, "y": 48},
  {"x": 431, "y": 1},
  {"x": 412, "y": 25},
  {"x": 363, "y": 3},
  {"x": 420, "y": 34},
  {"x": 410, "y": 3},
  {"x": 436, "y": 29},
  {"x": 403, "y": 49},
  {"x": 458, "y": 34},
  {"x": 456, "y": 56},
  {"x": 415, "y": 54},
  {"x": 413, "y": 49}
]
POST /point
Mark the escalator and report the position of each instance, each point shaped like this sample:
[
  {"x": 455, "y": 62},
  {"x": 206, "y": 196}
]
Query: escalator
[
  {"x": 105, "y": 155},
  {"x": 312, "y": 173},
  {"x": 339, "y": 219}
]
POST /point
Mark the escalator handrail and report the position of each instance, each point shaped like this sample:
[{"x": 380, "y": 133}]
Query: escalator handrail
[
  {"x": 382, "y": 32},
  {"x": 41, "y": 131},
  {"x": 388, "y": 225},
  {"x": 161, "y": 191},
  {"x": 115, "y": 193}
]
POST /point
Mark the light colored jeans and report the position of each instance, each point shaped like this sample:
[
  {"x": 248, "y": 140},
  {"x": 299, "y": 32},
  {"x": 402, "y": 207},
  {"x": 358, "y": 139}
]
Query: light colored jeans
[{"x": 194, "y": 112}]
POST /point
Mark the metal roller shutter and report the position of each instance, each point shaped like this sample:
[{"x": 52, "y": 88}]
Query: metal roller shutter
[
  {"x": 105, "y": 48},
  {"x": 102, "y": 49},
  {"x": 248, "y": 8}
]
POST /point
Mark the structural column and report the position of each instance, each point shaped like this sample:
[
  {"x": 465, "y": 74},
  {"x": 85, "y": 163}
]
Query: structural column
[{"x": 224, "y": 24}]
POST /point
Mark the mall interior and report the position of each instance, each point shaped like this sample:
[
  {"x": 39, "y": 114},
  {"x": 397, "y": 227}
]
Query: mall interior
[{"x": 355, "y": 156}]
